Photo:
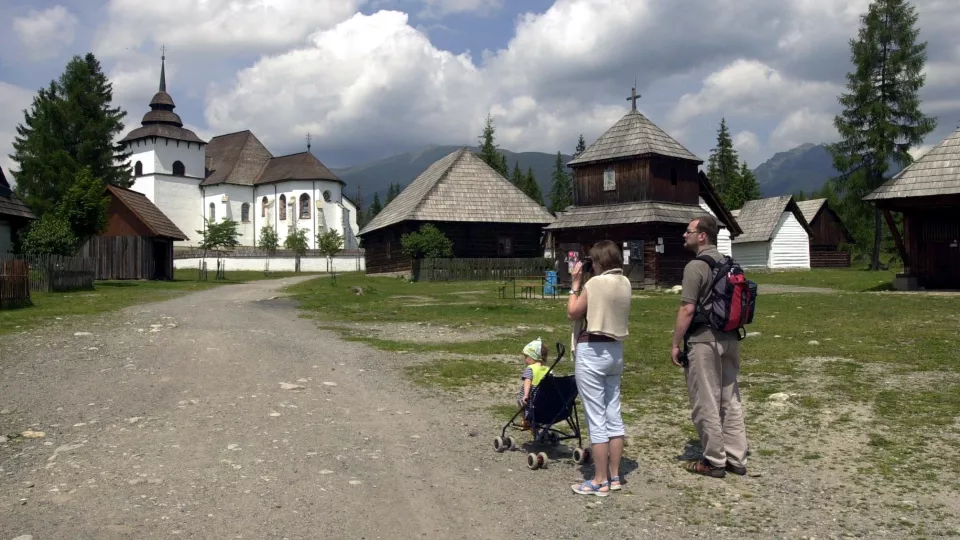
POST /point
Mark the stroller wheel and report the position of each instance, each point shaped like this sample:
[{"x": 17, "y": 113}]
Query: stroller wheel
[
  {"x": 534, "y": 461},
  {"x": 543, "y": 458},
  {"x": 511, "y": 443},
  {"x": 581, "y": 456},
  {"x": 498, "y": 445}
]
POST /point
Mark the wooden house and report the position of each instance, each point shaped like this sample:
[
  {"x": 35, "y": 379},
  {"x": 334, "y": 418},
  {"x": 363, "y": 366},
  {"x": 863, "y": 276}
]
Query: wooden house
[
  {"x": 775, "y": 235},
  {"x": 14, "y": 216},
  {"x": 927, "y": 195},
  {"x": 640, "y": 188},
  {"x": 828, "y": 235},
  {"x": 480, "y": 211},
  {"x": 138, "y": 240}
]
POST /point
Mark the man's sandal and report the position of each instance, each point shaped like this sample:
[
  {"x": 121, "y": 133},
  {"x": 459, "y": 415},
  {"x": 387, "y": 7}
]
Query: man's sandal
[
  {"x": 701, "y": 467},
  {"x": 589, "y": 488}
]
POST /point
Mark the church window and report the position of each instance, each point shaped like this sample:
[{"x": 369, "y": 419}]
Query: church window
[
  {"x": 179, "y": 169},
  {"x": 263, "y": 207},
  {"x": 326, "y": 195},
  {"x": 138, "y": 169},
  {"x": 245, "y": 212},
  {"x": 213, "y": 212},
  {"x": 609, "y": 179},
  {"x": 283, "y": 207},
  {"x": 304, "y": 206}
]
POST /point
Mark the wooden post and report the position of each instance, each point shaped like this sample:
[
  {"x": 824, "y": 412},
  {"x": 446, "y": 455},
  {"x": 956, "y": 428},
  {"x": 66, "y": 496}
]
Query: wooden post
[{"x": 897, "y": 239}]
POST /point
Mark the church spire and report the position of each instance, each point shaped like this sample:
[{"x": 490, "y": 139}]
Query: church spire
[{"x": 163, "y": 71}]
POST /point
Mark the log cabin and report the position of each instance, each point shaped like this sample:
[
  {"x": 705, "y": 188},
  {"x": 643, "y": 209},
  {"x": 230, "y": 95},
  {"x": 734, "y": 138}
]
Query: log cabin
[
  {"x": 927, "y": 196},
  {"x": 14, "y": 216},
  {"x": 480, "y": 211},
  {"x": 828, "y": 235},
  {"x": 637, "y": 186}
]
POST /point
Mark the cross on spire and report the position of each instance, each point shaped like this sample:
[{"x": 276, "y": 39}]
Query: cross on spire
[
  {"x": 308, "y": 141},
  {"x": 163, "y": 70},
  {"x": 633, "y": 97}
]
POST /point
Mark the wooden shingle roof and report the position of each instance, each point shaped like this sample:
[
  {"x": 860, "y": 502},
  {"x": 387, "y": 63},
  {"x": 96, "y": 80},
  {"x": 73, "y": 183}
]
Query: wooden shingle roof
[
  {"x": 810, "y": 208},
  {"x": 301, "y": 166},
  {"x": 579, "y": 217},
  {"x": 151, "y": 216},
  {"x": 460, "y": 187},
  {"x": 759, "y": 218},
  {"x": 235, "y": 158},
  {"x": 936, "y": 173},
  {"x": 633, "y": 135},
  {"x": 10, "y": 204}
]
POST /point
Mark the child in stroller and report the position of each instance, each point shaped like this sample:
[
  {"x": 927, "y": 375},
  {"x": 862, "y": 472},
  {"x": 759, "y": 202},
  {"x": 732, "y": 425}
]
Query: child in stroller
[
  {"x": 533, "y": 355},
  {"x": 552, "y": 400}
]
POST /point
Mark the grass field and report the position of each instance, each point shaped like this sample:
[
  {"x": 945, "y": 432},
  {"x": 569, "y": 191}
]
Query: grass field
[
  {"x": 114, "y": 295},
  {"x": 880, "y": 371}
]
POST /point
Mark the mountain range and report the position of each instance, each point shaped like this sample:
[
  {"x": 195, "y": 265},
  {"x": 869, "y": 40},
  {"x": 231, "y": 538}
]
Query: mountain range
[{"x": 804, "y": 168}]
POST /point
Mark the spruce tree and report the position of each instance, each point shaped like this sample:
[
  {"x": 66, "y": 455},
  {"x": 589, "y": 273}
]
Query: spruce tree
[
  {"x": 517, "y": 177},
  {"x": 561, "y": 193},
  {"x": 361, "y": 215},
  {"x": 581, "y": 146},
  {"x": 745, "y": 188},
  {"x": 488, "y": 149},
  {"x": 375, "y": 208},
  {"x": 881, "y": 118},
  {"x": 71, "y": 125},
  {"x": 723, "y": 167},
  {"x": 530, "y": 186}
]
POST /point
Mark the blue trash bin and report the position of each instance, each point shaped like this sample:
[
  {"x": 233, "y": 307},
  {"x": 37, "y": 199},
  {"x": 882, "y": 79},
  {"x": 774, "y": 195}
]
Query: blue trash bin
[{"x": 551, "y": 284}]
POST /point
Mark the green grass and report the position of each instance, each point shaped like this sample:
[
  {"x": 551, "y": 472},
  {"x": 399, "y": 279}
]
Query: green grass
[
  {"x": 857, "y": 344},
  {"x": 845, "y": 279},
  {"x": 112, "y": 296}
]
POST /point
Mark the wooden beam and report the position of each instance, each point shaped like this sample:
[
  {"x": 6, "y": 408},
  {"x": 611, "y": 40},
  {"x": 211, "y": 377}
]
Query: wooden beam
[{"x": 896, "y": 237}]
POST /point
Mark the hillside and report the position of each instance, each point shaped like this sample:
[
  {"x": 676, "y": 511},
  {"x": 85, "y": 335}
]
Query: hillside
[
  {"x": 805, "y": 168},
  {"x": 377, "y": 176}
]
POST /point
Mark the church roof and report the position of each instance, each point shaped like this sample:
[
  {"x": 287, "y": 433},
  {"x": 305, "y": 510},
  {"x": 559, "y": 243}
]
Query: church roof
[
  {"x": 301, "y": 166},
  {"x": 240, "y": 158},
  {"x": 759, "y": 218},
  {"x": 160, "y": 120},
  {"x": 936, "y": 173},
  {"x": 10, "y": 204},
  {"x": 633, "y": 135},
  {"x": 460, "y": 187},
  {"x": 148, "y": 213}
]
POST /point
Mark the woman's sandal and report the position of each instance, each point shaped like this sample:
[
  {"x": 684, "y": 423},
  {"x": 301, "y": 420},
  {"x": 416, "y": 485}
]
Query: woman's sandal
[
  {"x": 615, "y": 484},
  {"x": 589, "y": 488}
]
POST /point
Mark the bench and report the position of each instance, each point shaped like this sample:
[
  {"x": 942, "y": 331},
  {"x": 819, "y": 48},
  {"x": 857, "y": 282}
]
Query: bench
[{"x": 528, "y": 287}]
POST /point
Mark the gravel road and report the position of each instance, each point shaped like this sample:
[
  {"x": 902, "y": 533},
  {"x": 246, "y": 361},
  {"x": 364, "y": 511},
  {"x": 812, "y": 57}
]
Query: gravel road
[{"x": 169, "y": 420}]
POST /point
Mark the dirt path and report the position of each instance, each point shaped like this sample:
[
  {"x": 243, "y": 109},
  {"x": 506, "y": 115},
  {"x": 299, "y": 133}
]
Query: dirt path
[{"x": 169, "y": 421}]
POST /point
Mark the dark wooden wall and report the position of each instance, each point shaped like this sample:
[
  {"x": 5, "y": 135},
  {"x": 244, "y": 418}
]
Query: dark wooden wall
[
  {"x": 121, "y": 221},
  {"x": 932, "y": 240},
  {"x": 642, "y": 179},
  {"x": 828, "y": 231},
  {"x": 659, "y": 269},
  {"x": 128, "y": 257},
  {"x": 381, "y": 250}
]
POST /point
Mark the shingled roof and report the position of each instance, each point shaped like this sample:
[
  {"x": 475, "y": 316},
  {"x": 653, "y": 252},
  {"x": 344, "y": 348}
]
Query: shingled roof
[
  {"x": 151, "y": 216},
  {"x": 10, "y": 204},
  {"x": 759, "y": 218},
  {"x": 936, "y": 173},
  {"x": 578, "y": 217},
  {"x": 301, "y": 166},
  {"x": 633, "y": 135},
  {"x": 235, "y": 158},
  {"x": 810, "y": 208},
  {"x": 160, "y": 120},
  {"x": 460, "y": 187}
]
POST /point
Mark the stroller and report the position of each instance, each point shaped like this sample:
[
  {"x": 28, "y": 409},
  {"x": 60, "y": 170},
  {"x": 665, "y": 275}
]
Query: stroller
[{"x": 552, "y": 402}]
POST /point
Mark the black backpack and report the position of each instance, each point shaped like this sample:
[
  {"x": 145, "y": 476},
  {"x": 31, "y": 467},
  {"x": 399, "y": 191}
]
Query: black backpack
[{"x": 733, "y": 297}]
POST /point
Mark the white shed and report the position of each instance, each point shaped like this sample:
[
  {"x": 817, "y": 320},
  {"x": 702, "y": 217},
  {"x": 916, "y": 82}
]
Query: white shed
[
  {"x": 775, "y": 234},
  {"x": 723, "y": 238}
]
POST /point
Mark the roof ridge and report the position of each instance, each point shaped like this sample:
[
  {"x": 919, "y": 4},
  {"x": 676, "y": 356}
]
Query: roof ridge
[
  {"x": 440, "y": 177},
  {"x": 116, "y": 190}
]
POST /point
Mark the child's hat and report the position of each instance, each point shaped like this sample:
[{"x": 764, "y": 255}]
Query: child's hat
[{"x": 533, "y": 349}]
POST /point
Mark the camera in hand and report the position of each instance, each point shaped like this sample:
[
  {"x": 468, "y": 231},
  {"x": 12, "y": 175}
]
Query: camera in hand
[{"x": 587, "y": 265}]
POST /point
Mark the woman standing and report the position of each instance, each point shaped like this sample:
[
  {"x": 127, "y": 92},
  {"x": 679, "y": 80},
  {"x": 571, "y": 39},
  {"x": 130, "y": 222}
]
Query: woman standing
[{"x": 605, "y": 302}]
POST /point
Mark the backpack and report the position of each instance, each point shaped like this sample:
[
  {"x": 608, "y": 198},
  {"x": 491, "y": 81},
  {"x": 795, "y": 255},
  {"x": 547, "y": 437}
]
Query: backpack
[{"x": 734, "y": 297}]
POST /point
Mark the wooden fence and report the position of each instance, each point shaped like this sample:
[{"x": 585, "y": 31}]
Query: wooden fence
[
  {"x": 829, "y": 259},
  {"x": 14, "y": 283},
  {"x": 55, "y": 273},
  {"x": 489, "y": 269}
]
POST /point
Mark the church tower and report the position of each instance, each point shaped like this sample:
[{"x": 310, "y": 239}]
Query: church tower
[{"x": 168, "y": 161}]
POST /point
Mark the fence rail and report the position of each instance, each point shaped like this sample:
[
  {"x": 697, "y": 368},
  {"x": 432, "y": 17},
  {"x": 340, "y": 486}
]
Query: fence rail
[
  {"x": 56, "y": 273},
  {"x": 252, "y": 253},
  {"x": 486, "y": 269}
]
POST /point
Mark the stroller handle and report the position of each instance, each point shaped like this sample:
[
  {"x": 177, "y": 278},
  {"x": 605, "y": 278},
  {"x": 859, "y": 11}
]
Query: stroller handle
[{"x": 561, "y": 351}]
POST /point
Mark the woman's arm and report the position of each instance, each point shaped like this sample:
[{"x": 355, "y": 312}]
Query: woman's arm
[{"x": 577, "y": 303}]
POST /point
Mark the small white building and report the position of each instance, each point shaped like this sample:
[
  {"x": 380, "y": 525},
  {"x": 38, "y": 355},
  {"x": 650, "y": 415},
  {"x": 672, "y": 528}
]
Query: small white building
[
  {"x": 775, "y": 235},
  {"x": 234, "y": 177},
  {"x": 723, "y": 237}
]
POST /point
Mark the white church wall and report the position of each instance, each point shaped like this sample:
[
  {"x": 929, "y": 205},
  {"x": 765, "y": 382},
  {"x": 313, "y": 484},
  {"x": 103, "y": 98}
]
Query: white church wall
[
  {"x": 144, "y": 154},
  {"x": 232, "y": 208},
  {"x": 158, "y": 157},
  {"x": 145, "y": 185},
  {"x": 343, "y": 263},
  {"x": 332, "y": 211},
  {"x": 178, "y": 197}
]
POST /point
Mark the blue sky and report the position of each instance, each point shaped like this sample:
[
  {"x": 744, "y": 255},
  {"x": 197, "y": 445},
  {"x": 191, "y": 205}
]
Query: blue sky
[{"x": 370, "y": 78}]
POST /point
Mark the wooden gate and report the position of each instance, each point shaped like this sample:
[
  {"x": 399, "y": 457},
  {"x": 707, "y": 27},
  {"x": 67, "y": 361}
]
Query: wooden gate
[{"x": 14, "y": 283}]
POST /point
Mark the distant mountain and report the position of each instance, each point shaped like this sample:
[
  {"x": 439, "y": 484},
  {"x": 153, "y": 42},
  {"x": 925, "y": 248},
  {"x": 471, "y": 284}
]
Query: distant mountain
[
  {"x": 805, "y": 168},
  {"x": 377, "y": 176}
]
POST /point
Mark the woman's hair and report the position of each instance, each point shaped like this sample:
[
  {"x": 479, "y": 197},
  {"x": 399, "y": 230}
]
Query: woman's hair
[{"x": 606, "y": 255}]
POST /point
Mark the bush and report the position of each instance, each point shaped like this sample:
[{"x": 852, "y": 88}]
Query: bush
[{"x": 427, "y": 243}]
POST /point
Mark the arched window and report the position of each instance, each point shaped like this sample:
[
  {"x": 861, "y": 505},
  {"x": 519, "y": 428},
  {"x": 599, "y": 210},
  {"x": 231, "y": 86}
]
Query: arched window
[
  {"x": 245, "y": 212},
  {"x": 179, "y": 169},
  {"x": 213, "y": 212},
  {"x": 304, "y": 206},
  {"x": 138, "y": 169},
  {"x": 283, "y": 207},
  {"x": 263, "y": 207}
]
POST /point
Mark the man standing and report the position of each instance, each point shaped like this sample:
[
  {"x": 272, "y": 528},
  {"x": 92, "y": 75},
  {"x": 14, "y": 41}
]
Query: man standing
[{"x": 712, "y": 362}]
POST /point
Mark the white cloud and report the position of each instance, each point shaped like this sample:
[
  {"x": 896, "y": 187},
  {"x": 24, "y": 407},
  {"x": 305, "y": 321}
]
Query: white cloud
[
  {"x": 746, "y": 143},
  {"x": 45, "y": 33},
  {"x": 15, "y": 100},
  {"x": 442, "y": 8},
  {"x": 917, "y": 152},
  {"x": 803, "y": 126}
]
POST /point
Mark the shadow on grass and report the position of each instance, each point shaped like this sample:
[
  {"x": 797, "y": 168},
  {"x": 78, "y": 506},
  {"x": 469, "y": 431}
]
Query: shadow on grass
[
  {"x": 117, "y": 284},
  {"x": 880, "y": 288}
]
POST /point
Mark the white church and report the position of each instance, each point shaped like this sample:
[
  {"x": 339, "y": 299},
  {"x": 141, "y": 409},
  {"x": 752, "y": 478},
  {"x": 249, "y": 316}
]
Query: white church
[{"x": 235, "y": 177}]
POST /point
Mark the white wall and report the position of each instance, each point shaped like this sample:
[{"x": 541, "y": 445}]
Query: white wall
[
  {"x": 790, "y": 245},
  {"x": 233, "y": 209},
  {"x": 158, "y": 158},
  {"x": 724, "y": 244},
  {"x": 280, "y": 264},
  {"x": 752, "y": 254},
  {"x": 332, "y": 210},
  {"x": 6, "y": 239},
  {"x": 178, "y": 197}
]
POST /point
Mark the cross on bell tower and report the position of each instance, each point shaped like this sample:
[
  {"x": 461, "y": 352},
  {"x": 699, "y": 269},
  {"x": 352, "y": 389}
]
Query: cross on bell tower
[
  {"x": 633, "y": 98},
  {"x": 308, "y": 141}
]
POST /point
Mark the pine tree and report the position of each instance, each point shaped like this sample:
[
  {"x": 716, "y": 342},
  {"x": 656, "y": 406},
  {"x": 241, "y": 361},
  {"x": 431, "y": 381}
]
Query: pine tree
[
  {"x": 517, "y": 177},
  {"x": 361, "y": 215},
  {"x": 375, "y": 208},
  {"x": 745, "y": 188},
  {"x": 581, "y": 146},
  {"x": 530, "y": 186},
  {"x": 723, "y": 166},
  {"x": 70, "y": 126},
  {"x": 881, "y": 118},
  {"x": 488, "y": 149},
  {"x": 561, "y": 193},
  {"x": 392, "y": 192}
]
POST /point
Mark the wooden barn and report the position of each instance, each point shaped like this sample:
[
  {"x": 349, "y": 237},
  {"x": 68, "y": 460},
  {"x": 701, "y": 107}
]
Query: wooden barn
[
  {"x": 927, "y": 195},
  {"x": 639, "y": 187},
  {"x": 775, "y": 235},
  {"x": 14, "y": 216},
  {"x": 828, "y": 235},
  {"x": 138, "y": 241},
  {"x": 481, "y": 212}
]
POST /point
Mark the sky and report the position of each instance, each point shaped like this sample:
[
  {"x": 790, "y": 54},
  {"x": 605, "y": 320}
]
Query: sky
[{"x": 371, "y": 78}]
